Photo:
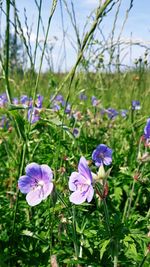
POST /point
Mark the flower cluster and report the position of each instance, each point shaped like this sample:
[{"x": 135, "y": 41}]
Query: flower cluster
[
  {"x": 81, "y": 182},
  {"x": 37, "y": 183}
]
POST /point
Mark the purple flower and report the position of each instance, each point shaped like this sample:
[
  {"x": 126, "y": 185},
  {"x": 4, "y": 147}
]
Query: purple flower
[
  {"x": 15, "y": 101},
  {"x": 55, "y": 107},
  {"x": 24, "y": 100},
  {"x": 147, "y": 130},
  {"x": 112, "y": 113},
  {"x": 82, "y": 96},
  {"x": 76, "y": 132},
  {"x": 37, "y": 183},
  {"x": 60, "y": 99},
  {"x": 4, "y": 122},
  {"x": 68, "y": 109},
  {"x": 33, "y": 114},
  {"x": 39, "y": 101},
  {"x": 94, "y": 101},
  {"x": 136, "y": 105},
  {"x": 102, "y": 155},
  {"x": 3, "y": 100},
  {"x": 123, "y": 113},
  {"x": 81, "y": 183}
]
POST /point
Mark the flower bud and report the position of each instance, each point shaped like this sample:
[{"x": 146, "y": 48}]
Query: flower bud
[{"x": 101, "y": 172}]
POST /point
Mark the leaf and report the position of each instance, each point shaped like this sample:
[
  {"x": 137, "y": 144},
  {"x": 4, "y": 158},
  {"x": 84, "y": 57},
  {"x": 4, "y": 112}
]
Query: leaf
[{"x": 103, "y": 248}]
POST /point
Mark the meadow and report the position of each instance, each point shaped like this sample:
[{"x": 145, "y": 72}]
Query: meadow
[{"x": 74, "y": 159}]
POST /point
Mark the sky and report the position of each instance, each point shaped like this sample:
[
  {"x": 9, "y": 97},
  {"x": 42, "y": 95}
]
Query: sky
[{"x": 64, "y": 55}]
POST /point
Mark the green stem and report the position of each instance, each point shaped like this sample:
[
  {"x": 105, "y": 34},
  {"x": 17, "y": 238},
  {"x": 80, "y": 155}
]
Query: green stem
[
  {"x": 54, "y": 4},
  {"x": 130, "y": 199},
  {"x": 37, "y": 33},
  {"x": 144, "y": 259},
  {"x": 99, "y": 13},
  {"x": 115, "y": 260},
  {"x": 107, "y": 217},
  {"x": 8, "y": 92},
  {"x": 72, "y": 214},
  {"x": 20, "y": 173},
  {"x": 17, "y": 198},
  {"x": 116, "y": 254},
  {"x": 74, "y": 231}
]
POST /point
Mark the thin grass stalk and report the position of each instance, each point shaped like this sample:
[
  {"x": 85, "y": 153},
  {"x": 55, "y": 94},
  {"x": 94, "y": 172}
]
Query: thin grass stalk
[
  {"x": 73, "y": 22},
  {"x": 63, "y": 29},
  {"x": 38, "y": 28},
  {"x": 54, "y": 4},
  {"x": 112, "y": 48},
  {"x": 7, "y": 87},
  {"x": 22, "y": 162},
  {"x": 21, "y": 33},
  {"x": 88, "y": 35}
]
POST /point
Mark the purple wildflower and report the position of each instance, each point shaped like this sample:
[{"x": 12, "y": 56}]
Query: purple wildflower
[
  {"x": 24, "y": 100},
  {"x": 68, "y": 109},
  {"x": 60, "y": 99},
  {"x": 147, "y": 131},
  {"x": 81, "y": 183},
  {"x": 112, "y": 113},
  {"x": 76, "y": 132},
  {"x": 94, "y": 101},
  {"x": 136, "y": 105},
  {"x": 55, "y": 107},
  {"x": 123, "y": 113},
  {"x": 33, "y": 114},
  {"x": 3, "y": 100},
  {"x": 15, "y": 101},
  {"x": 3, "y": 122},
  {"x": 37, "y": 183},
  {"x": 82, "y": 96},
  {"x": 39, "y": 101},
  {"x": 102, "y": 155}
]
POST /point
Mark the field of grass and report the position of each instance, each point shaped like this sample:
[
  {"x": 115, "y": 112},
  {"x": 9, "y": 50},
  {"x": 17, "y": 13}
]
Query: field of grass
[{"x": 74, "y": 166}]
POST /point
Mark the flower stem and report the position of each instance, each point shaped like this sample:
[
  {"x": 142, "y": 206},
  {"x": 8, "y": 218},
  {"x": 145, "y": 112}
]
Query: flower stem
[
  {"x": 130, "y": 199},
  {"x": 115, "y": 260},
  {"x": 107, "y": 217},
  {"x": 74, "y": 232},
  {"x": 116, "y": 254}
]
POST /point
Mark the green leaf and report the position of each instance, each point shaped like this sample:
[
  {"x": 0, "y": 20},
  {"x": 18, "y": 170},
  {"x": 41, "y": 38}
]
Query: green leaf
[{"x": 103, "y": 247}]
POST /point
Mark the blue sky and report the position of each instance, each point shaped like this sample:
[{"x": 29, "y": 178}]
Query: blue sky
[{"x": 138, "y": 24}]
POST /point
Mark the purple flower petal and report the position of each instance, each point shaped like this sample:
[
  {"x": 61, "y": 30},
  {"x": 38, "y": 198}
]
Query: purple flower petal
[
  {"x": 147, "y": 130},
  {"x": 47, "y": 173},
  {"x": 107, "y": 160},
  {"x": 84, "y": 169},
  {"x": 47, "y": 188},
  {"x": 73, "y": 178},
  {"x": 35, "y": 196},
  {"x": 77, "y": 197},
  {"x": 90, "y": 194},
  {"x": 33, "y": 170},
  {"x": 25, "y": 184}
]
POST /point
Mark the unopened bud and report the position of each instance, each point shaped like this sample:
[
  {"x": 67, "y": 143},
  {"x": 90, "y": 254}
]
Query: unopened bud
[{"x": 101, "y": 172}]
